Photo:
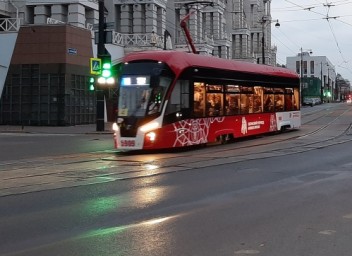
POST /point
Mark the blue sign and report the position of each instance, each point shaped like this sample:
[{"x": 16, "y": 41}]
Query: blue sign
[
  {"x": 95, "y": 66},
  {"x": 72, "y": 51}
]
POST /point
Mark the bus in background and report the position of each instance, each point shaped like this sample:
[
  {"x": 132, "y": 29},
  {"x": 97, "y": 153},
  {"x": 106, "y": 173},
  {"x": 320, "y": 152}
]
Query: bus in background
[{"x": 170, "y": 99}]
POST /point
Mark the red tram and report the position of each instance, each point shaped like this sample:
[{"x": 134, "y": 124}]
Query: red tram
[{"x": 170, "y": 99}]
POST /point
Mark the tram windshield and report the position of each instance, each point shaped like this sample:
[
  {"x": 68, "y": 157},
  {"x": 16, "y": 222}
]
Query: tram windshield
[{"x": 142, "y": 93}]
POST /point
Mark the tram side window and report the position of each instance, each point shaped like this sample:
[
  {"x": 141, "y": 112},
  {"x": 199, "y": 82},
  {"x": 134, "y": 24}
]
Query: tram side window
[
  {"x": 246, "y": 99},
  {"x": 268, "y": 102},
  {"x": 296, "y": 102},
  {"x": 199, "y": 99},
  {"x": 279, "y": 102},
  {"x": 232, "y": 105},
  {"x": 214, "y": 104},
  {"x": 179, "y": 97},
  {"x": 279, "y": 99},
  {"x": 244, "y": 105},
  {"x": 157, "y": 95},
  {"x": 184, "y": 94},
  {"x": 288, "y": 99},
  {"x": 258, "y": 99}
]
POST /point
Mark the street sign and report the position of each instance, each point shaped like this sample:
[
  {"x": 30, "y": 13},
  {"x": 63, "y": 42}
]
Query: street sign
[
  {"x": 72, "y": 51},
  {"x": 95, "y": 66}
]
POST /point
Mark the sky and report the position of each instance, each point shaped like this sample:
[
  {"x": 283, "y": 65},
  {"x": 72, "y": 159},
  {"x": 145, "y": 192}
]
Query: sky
[{"x": 324, "y": 27}]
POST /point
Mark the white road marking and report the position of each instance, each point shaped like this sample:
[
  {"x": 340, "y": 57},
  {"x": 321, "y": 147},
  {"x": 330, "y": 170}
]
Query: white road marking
[
  {"x": 327, "y": 232},
  {"x": 246, "y": 252}
]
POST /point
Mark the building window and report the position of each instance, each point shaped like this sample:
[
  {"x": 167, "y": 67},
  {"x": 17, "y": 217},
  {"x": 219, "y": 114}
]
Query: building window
[
  {"x": 211, "y": 23},
  {"x": 312, "y": 66},
  {"x": 298, "y": 68},
  {"x": 159, "y": 20},
  {"x": 130, "y": 18},
  {"x": 305, "y": 71},
  {"x": 199, "y": 25},
  {"x": 143, "y": 19},
  {"x": 204, "y": 22}
]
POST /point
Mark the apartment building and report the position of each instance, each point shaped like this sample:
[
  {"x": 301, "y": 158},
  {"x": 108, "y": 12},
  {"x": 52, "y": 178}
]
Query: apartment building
[{"x": 320, "y": 67}]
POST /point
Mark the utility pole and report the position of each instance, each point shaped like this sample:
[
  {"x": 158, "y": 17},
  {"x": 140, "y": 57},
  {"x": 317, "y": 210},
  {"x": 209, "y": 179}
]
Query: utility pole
[
  {"x": 263, "y": 40},
  {"x": 301, "y": 80},
  {"x": 301, "y": 74},
  {"x": 321, "y": 83},
  {"x": 329, "y": 85},
  {"x": 100, "y": 125}
]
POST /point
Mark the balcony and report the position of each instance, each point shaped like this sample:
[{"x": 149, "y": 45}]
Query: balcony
[{"x": 10, "y": 25}]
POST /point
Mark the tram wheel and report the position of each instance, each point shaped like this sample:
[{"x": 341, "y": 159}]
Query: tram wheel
[
  {"x": 225, "y": 138},
  {"x": 283, "y": 129}
]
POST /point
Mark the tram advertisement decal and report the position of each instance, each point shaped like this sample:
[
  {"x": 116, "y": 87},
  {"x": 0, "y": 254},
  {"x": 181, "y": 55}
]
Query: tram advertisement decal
[
  {"x": 203, "y": 130},
  {"x": 194, "y": 131}
]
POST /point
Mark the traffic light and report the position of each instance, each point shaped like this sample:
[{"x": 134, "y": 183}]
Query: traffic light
[
  {"x": 106, "y": 76},
  {"x": 91, "y": 84}
]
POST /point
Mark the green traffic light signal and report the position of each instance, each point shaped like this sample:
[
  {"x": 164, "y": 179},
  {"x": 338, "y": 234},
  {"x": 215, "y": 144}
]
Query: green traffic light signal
[
  {"x": 91, "y": 83},
  {"x": 106, "y": 70},
  {"x": 106, "y": 77}
]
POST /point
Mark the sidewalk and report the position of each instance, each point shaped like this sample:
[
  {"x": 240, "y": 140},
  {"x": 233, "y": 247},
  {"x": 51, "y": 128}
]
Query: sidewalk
[{"x": 76, "y": 129}]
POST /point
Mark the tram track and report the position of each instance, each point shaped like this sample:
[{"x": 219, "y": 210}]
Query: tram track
[
  {"x": 313, "y": 138},
  {"x": 105, "y": 166}
]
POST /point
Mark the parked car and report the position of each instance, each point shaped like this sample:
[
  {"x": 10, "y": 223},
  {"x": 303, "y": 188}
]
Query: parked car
[
  {"x": 308, "y": 102},
  {"x": 317, "y": 101}
]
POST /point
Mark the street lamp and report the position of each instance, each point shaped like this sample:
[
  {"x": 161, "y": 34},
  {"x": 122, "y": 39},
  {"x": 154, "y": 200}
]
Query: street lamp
[
  {"x": 277, "y": 25},
  {"x": 301, "y": 71}
]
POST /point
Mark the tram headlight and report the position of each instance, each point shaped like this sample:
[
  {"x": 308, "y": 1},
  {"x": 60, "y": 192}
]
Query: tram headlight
[
  {"x": 115, "y": 127},
  {"x": 149, "y": 127},
  {"x": 151, "y": 136}
]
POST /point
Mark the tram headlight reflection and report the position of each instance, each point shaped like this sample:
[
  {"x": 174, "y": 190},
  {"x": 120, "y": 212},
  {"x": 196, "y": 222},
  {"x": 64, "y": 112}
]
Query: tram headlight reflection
[{"x": 149, "y": 127}]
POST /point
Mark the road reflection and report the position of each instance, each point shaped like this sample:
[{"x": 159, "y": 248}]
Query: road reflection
[
  {"x": 153, "y": 237},
  {"x": 137, "y": 231}
]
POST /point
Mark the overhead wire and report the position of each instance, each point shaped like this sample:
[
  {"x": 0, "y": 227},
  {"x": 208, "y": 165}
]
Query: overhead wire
[
  {"x": 327, "y": 5},
  {"x": 285, "y": 45}
]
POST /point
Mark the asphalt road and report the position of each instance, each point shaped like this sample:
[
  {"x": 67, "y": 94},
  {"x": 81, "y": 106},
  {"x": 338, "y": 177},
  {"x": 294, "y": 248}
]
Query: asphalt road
[
  {"x": 18, "y": 146},
  {"x": 295, "y": 203}
]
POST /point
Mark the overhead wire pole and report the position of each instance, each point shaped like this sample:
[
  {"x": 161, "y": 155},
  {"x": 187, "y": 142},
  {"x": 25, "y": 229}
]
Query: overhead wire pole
[
  {"x": 321, "y": 83},
  {"x": 100, "y": 125},
  {"x": 301, "y": 75},
  {"x": 263, "y": 41}
]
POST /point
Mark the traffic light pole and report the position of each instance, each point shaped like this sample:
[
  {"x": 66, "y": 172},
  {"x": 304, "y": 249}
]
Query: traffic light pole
[{"x": 101, "y": 52}]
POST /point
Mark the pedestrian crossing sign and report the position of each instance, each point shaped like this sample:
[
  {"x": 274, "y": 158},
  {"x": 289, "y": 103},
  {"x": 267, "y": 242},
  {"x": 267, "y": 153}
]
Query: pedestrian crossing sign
[{"x": 95, "y": 66}]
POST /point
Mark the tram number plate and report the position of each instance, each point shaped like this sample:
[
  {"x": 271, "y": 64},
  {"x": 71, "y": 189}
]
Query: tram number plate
[{"x": 128, "y": 143}]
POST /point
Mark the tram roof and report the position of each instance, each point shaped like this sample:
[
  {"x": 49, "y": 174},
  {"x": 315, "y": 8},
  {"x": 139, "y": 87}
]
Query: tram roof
[{"x": 179, "y": 61}]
